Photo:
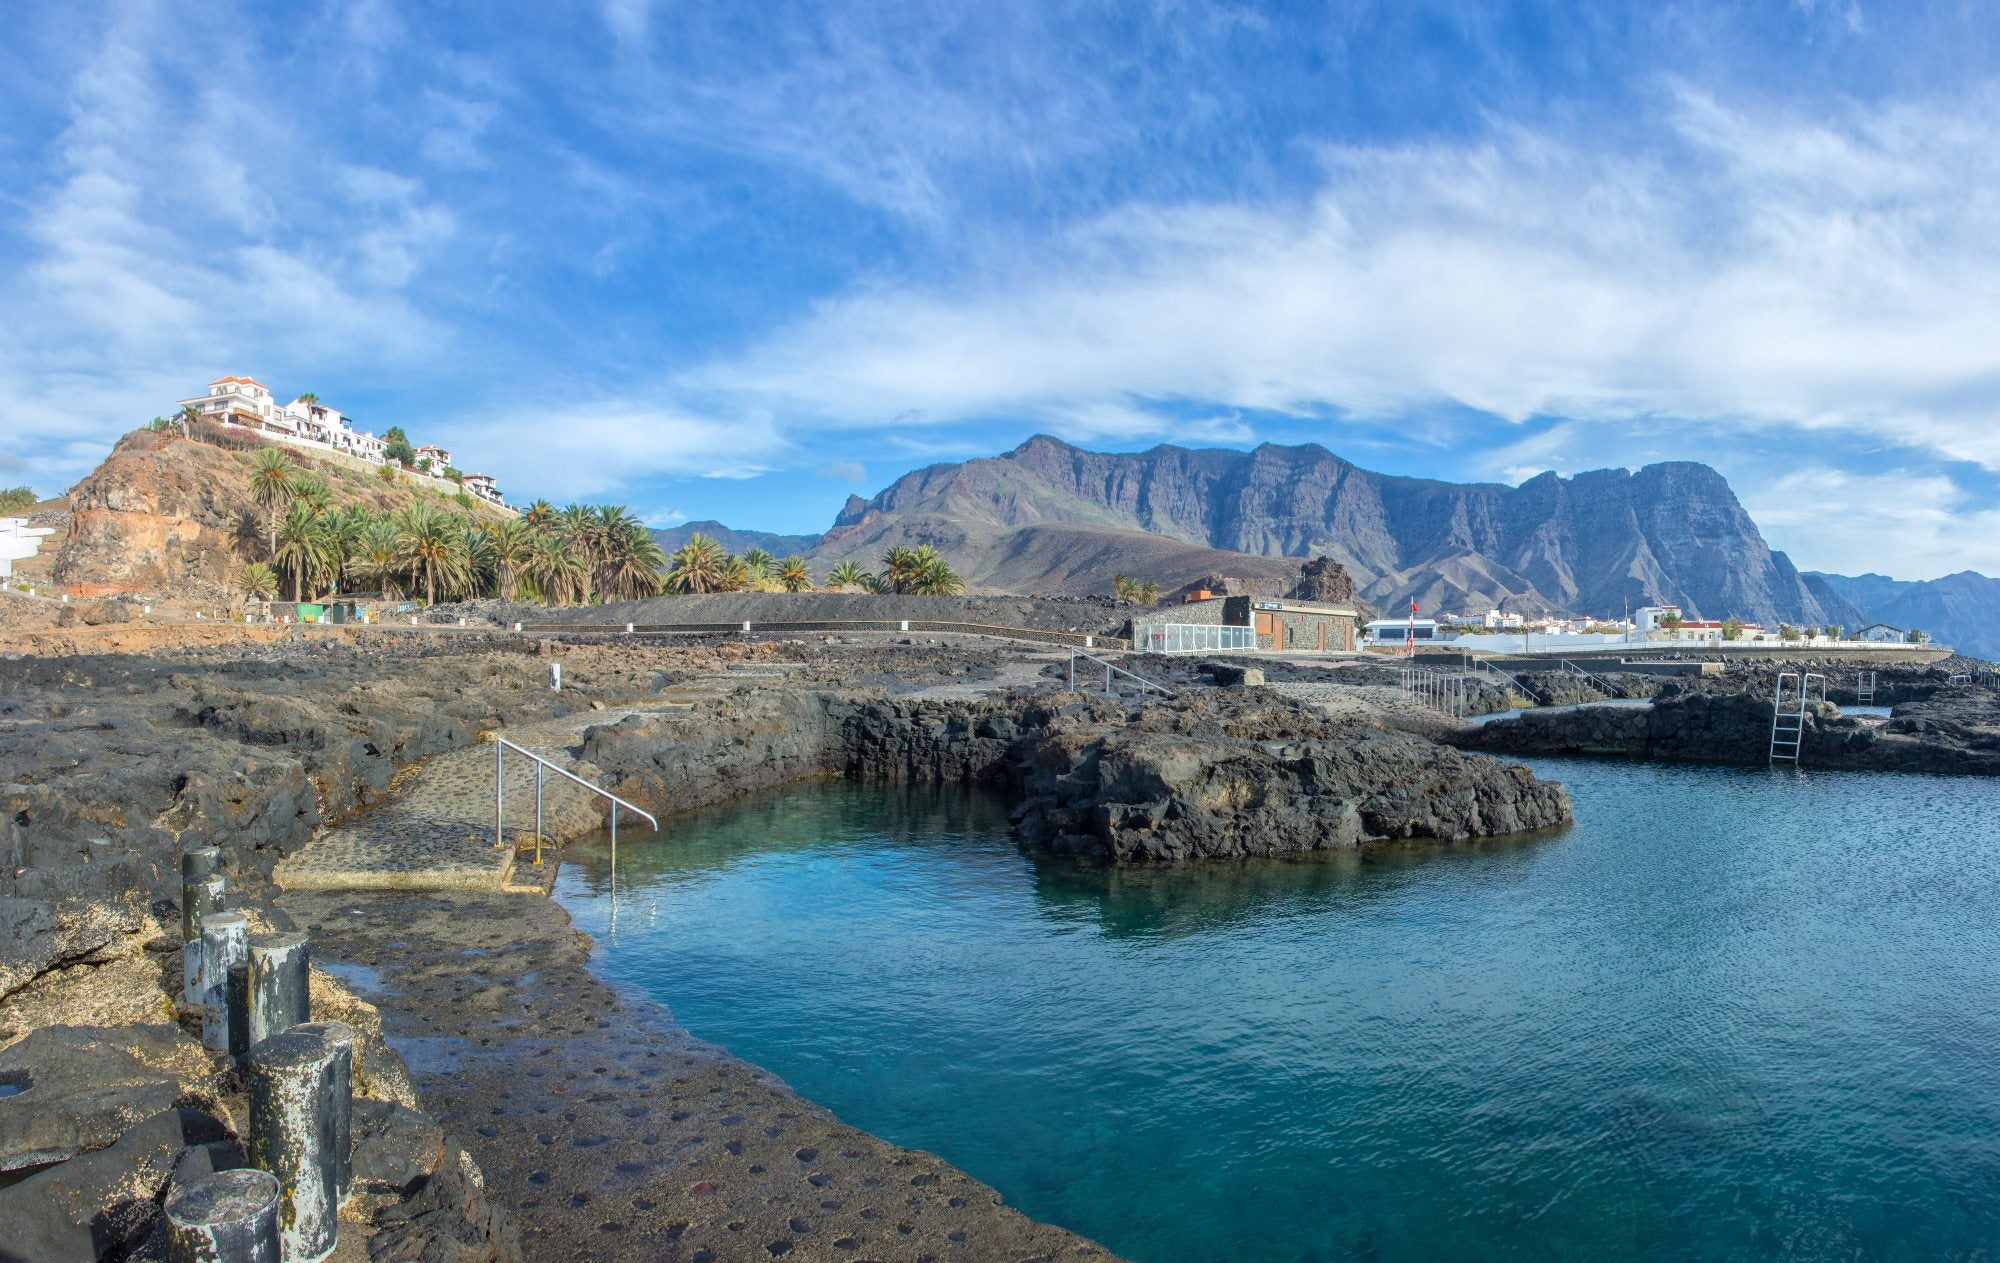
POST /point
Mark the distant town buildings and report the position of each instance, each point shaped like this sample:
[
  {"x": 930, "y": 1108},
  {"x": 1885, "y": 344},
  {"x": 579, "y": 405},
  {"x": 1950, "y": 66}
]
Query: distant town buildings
[{"x": 247, "y": 403}]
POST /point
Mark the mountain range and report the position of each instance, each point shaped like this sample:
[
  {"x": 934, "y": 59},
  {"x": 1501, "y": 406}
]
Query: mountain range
[
  {"x": 1050, "y": 517},
  {"x": 1961, "y": 610}
]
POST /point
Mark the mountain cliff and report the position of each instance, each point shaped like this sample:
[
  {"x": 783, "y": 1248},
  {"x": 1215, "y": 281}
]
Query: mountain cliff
[
  {"x": 1596, "y": 543},
  {"x": 733, "y": 540},
  {"x": 1961, "y": 610}
]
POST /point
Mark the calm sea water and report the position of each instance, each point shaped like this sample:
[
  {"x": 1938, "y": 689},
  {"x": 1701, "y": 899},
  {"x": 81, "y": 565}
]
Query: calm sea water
[{"x": 1729, "y": 1014}]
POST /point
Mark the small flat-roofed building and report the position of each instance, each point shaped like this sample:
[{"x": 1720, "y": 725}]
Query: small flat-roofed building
[
  {"x": 1279, "y": 625},
  {"x": 1882, "y": 634},
  {"x": 1387, "y": 631}
]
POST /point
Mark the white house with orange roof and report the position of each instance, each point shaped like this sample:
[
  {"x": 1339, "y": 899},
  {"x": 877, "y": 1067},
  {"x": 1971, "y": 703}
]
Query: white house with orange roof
[{"x": 308, "y": 423}]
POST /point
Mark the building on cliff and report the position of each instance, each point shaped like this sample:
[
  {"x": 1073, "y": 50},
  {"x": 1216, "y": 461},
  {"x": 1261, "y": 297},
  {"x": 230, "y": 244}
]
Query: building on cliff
[{"x": 247, "y": 403}]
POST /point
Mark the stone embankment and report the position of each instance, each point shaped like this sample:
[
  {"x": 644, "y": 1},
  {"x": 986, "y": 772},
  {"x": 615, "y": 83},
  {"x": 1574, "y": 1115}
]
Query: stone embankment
[
  {"x": 1213, "y": 774},
  {"x": 1956, "y": 731}
]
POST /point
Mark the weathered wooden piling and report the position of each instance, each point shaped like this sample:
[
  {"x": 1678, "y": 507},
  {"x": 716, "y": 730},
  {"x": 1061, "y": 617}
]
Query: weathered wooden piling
[
  {"x": 300, "y": 1128},
  {"x": 224, "y": 1217},
  {"x": 201, "y": 895},
  {"x": 225, "y": 941}
]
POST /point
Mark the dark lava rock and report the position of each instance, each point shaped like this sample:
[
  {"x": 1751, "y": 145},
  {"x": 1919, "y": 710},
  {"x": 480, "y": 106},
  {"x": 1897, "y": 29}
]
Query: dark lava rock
[
  {"x": 394, "y": 1146},
  {"x": 102, "y": 1204},
  {"x": 82, "y": 1087}
]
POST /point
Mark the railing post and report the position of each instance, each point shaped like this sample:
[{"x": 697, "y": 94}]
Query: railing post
[
  {"x": 499, "y": 789},
  {"x": 538, "y": 813}
]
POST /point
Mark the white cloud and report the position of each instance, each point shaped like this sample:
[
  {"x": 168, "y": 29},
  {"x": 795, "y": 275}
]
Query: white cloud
[
  {"x": 1748, "y": 267},
  {"x": 594, "y": 447},
  {"x": 847, "y": 471},
  {"x": 1908, "y": 525}
]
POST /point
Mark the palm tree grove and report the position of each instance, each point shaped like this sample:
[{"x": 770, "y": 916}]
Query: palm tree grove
[{"x": 576, "y": 555}]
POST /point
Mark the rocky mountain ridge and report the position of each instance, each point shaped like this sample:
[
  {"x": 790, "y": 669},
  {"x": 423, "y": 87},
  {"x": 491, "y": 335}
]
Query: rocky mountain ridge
[
  {"x": 1598, "y": 543},
  {"x": 1961, "y": 610}
]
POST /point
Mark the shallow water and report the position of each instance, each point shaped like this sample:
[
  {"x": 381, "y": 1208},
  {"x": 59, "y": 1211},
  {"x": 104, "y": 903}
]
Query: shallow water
[{"x": 1729, "y": 1014}]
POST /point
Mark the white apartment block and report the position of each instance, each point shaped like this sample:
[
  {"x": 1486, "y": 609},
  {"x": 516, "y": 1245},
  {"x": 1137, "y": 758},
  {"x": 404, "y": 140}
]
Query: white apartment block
[{"x": 249, "y": 404}]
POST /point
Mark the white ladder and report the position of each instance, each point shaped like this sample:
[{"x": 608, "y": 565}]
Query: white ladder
[
  {"x": 1864, "y": 688},
  {"x": 1788, "y": 726}
]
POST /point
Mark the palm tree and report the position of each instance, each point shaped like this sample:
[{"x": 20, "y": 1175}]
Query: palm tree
[
  {"x": 479, "y": 563},
  {"x": 258, "y": 581},
  {"x": 846, "y": 575},
  {"x": 697, "y": 566},
  {"x": 578, "y": 526},
  {"x": 374, "y": 558},
  {"x": 935, "y": 578},
  {"x": 793, "y": 575},
  {"x": 271, "y": 477},
  {"x": 900, "y": 566},
  {"x": 758, "y": 565},
  {"x": 432, "y": 546},
  {"x": 632, "y": 560},
  {"x": 186, "y": 417},
  {"x": 735, "y": 574},
  {"x": 302, "y": 546},
  {"x": 312, "y": 491},
  {"x": 555, "y": 569},
  {"x": 513, "y": 543},
  {"x": 539, "y": 514},
  {"x": 880, "y": 585}
]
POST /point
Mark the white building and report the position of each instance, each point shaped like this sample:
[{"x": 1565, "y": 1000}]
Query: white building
[
  {"x": 483, "y": 486},
  {"x": 316, "y": 420},
  {"x": 18, "y": 542},
  {"x": 1882, "y": 634},
  {"x": 1384, "y": 631},
  {"x": 242, "y": 401},
  {"x": 248, "y": 403}
]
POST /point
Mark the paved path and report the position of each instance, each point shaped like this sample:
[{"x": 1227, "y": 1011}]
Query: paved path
[{"x": 435, "y": 830}]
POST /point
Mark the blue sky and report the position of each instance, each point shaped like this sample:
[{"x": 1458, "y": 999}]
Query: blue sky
[{"x": 738, "y": 261}]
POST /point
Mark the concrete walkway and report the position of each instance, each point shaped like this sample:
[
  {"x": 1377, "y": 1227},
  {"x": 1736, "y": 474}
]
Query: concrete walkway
[{"x": 435, "y": 830}]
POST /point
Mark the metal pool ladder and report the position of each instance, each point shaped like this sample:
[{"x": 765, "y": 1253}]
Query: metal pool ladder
[
  {"x": 1788, "y": 726},
  {"x": 1864, "y": 688},
  {"x": 500, "y": 747}
]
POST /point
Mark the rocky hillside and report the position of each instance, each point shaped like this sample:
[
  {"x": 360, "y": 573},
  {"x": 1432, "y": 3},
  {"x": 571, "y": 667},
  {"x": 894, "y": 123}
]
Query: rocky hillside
[
  {"x": 1595, "y": 543},
  {"x": 734, "y": 541},
  {"x": 1961, "y": 610},
  {"x": 165, "y": 515}
]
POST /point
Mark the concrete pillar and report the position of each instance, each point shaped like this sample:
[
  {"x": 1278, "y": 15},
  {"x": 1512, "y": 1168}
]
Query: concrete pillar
[
  {"x": 628, "y": 629},
  {"x": 340, "y": 1099},
  {"x": 225, "y": 941},
  {"x": 201, "y": 894},
  {"x": 280, "y": 984},
  {"x": 224, "y": 1217},
  {"x": 746, "y": 625},
  {"x": 299, "y": 1121},
  {"x": 906, "y": 624},
  {"x": 239, "y": 1010}
]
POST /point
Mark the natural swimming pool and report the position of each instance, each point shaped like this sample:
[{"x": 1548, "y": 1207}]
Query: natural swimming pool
[{"x": 1730, "y": 1013}]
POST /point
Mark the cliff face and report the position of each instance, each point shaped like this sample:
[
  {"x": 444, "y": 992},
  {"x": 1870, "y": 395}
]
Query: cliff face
[
  {"x": 1596, "y": 543},
  {"x": 1961, "y": 610},
  {"x": 165, "y": 515}
]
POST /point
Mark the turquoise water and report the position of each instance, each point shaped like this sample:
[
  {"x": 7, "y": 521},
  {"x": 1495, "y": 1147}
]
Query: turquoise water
[{"x": 1729, "y": 1014}]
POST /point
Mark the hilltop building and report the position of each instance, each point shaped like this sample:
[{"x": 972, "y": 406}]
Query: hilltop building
[{"x": 247, "y": 403}]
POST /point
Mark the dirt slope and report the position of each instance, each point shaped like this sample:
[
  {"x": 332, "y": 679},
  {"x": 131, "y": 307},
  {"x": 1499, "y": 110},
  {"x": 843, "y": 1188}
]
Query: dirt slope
[{"x": 170, "y": 516}]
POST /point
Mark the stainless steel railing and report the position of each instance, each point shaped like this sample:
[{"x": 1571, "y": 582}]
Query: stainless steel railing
[
  {"x": 1109, "y": 670},
  {"x": 500, "y": 747}
]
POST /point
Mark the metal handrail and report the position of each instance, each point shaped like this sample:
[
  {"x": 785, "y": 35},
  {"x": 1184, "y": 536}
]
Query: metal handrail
[
  {"x": 1109, "y": 668},
  {"x": 1570, "y": 668},
  {"x": 500, "y": 747}
]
